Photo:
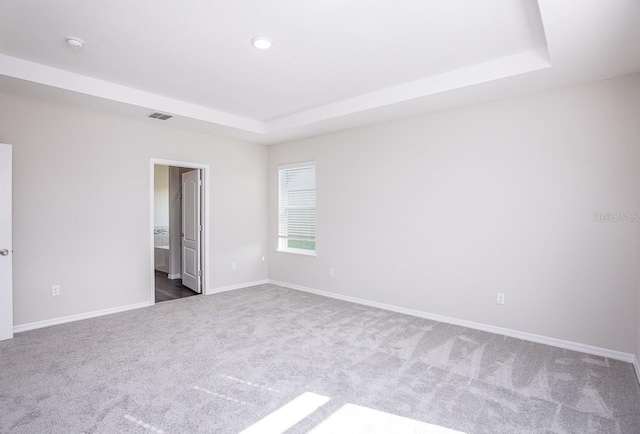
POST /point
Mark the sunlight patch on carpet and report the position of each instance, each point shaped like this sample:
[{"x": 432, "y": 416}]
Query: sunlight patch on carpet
[
  {"x": 354, "y": 419},
  {"x": 288, "y": 415}
]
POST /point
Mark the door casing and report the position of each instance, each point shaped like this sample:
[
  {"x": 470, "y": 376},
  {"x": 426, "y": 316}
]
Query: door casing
[
  {"x": 6, "y": 268},
  {"x": 204, "y": 203}
]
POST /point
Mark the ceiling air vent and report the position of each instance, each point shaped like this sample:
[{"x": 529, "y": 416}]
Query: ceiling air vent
[{"x": 161, "y": 116}]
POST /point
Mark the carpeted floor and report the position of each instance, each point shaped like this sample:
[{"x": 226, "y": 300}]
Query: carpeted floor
[{"x": 270, "y": 359}]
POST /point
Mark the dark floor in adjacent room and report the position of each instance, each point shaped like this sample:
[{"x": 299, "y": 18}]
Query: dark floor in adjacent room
[{"x": 168, "y": 289}]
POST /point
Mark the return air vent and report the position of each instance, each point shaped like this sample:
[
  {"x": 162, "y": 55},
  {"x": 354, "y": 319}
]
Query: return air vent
[{"x": 161, "y": 116}]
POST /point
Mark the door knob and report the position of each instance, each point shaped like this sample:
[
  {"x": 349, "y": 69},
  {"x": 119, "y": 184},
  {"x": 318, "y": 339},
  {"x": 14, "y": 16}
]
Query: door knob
[{"x": 4, "y": 252}]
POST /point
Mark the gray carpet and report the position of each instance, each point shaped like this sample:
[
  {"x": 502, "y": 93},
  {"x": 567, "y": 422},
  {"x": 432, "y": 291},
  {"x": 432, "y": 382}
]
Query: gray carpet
[{"x": 264, "y": 358}]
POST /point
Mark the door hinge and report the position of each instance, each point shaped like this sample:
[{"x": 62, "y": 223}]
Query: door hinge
[
  {"x": 200, "y": 228},
  {"x": 199, "y": 272},
  {"x": 199, "y": 181}
]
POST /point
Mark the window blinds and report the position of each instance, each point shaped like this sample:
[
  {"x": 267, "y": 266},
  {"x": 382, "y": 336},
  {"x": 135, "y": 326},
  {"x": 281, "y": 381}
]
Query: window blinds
[{"x": 297, "y": 206}]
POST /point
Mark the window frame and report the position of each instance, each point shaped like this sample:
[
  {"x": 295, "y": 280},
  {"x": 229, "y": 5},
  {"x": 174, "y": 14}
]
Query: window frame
[{"x": 281, "y": 241}]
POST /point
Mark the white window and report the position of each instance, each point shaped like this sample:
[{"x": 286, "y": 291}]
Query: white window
[{"x": 297, "y": 208}]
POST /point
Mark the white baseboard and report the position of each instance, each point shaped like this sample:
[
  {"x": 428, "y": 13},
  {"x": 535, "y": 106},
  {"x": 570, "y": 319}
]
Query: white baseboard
[
  {"x": 575, "y": 346},
  {"x": 65, "y": 319},
  {"x": 174, "y": 276},
  {"x": 636, "y": 365},
  {"x": 238, "y": 286}
]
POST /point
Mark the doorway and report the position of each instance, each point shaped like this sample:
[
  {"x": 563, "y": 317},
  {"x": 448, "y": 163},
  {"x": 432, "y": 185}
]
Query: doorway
[{"x": 179, "y": 229}]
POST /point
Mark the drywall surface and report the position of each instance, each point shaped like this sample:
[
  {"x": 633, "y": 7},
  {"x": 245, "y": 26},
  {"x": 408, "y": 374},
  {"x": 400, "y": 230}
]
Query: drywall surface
[
  {"x": 442, "y": 212},
  {"x": 81, "y": 205},
  {"x": 161, "y": 196}
]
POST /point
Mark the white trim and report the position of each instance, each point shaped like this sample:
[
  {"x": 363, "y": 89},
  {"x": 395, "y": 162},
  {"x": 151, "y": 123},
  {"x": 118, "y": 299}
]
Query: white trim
[
  {"x": 174, "y": 276},
  {"x": 636, "y": 366},
  {"x": 574, "y": 346},
  {"x": 313, "y": 255},
  {"x": 309, "y": 163},
  {"x": 233, "y": 287},
  {"x": 65, "y": 319},
  {"x": 6, "y": 285},
  {"x": 292, "y": 251},
  {"x": 205, "y": 175}
]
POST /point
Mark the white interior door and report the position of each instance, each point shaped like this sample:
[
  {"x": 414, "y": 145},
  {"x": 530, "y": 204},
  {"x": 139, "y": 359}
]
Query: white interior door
[
  {"x": 191, "y": 230},
  {"x": 6, "y": 286}
]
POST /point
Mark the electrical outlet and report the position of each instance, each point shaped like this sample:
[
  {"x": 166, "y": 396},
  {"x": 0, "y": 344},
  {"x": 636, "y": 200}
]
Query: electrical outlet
[
  {"x": 234, "y": 266},
  {"x": 500, "y": 298},
  {"x": 55, "y": 290},
  {"x": 330, "y": 272}
]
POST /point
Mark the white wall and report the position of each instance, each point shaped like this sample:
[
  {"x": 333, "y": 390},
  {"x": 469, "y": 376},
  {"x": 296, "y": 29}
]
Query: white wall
[
  {"x": 436, "y": 213},
  {"x": 81, "y": 205},
  {"x": 161, "y": 196},
  {"x": 439, "y": 213}
]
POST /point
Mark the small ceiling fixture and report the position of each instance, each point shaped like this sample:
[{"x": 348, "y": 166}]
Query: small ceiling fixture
[
  {"x": 75, "y": 43},
  {"x": 261, "y": 42}
]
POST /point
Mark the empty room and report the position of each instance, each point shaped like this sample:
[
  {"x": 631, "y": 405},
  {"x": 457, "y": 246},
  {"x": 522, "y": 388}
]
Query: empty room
[{"x": 411, "y": 216}]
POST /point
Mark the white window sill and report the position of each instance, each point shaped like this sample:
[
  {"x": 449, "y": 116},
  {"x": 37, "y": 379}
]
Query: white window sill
[{"x": 298, "y": 253}]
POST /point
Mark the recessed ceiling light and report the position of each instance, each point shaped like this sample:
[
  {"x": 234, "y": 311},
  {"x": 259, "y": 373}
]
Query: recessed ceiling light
[
  {"x": 261, "y": 43},
  {"x": 75, "y": 43}
]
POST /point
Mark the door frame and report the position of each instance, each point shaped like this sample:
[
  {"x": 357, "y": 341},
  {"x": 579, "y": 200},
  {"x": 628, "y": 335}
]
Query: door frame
[
  {"x": 7, "y": 325},
  {"x": 204, "y": 205}
]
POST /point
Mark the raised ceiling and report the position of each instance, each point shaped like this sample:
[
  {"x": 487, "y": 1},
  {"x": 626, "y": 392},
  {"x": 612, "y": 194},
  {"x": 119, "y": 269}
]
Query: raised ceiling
[{"x": 333, "y": 64}]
